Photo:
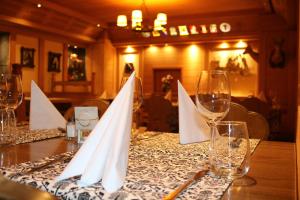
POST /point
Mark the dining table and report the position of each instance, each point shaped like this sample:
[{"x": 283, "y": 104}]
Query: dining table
[{"x": 157, "y": 165}]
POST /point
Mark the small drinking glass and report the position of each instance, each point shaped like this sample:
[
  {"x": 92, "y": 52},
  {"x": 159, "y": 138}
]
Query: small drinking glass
[{"x": 229, "y": 153}]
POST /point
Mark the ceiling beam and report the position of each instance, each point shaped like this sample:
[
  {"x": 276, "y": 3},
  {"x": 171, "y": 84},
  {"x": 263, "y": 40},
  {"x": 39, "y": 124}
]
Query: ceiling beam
[
  {"x": 27, "y": 23},
  {"x": 69, "y": 12}
]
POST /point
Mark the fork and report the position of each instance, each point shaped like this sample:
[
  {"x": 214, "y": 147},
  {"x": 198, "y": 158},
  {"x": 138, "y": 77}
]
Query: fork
[
  {"x": 62, "y": 158},
  {"x": 175, "y": 193}
]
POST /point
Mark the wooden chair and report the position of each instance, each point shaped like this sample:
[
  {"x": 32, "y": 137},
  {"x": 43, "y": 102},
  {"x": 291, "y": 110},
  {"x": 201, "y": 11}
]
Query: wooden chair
[
  {"x": 258, "y": 126},
  {"x": 256, "y": 105},
  {"x": 237, "y": 112},
  {"x": 161, "y": 115},
  {"x": 64, "y": 84}
]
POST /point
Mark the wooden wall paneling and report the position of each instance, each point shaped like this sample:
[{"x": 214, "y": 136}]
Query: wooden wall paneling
[
  {"x": 12, "y": 49},
  {"x": 41, "y": 60},
  {"x": 65, "y": 58},
  {"x": 281, "y": 84}
]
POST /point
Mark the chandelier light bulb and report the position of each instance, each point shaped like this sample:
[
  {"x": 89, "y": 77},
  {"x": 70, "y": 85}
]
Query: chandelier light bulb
[
  {"x": 122, "y": 21},
  {"x": 157, "y": 25},
  {"x": 137, "y": 16},
  {"x": 162, "y": 17}
]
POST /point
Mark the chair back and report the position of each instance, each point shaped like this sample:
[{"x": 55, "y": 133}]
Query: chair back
[
  {"x": 258, "y": 126},
  {"x": 160, "y": 114},
  {"x": 236, "y": 112}
]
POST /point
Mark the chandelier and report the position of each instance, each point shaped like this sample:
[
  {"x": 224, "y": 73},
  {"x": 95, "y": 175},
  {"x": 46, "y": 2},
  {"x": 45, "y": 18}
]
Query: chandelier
[{"x": 139, "y": 24}]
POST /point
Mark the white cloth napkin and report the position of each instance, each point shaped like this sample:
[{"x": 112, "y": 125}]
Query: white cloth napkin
[
  {"x": 192, "y": 126},
  {"x": 43, "y": 114},
  {"x": 104, "y": 154}
]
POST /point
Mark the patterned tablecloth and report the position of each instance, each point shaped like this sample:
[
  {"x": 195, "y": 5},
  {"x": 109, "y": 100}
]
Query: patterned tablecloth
[
  {"x": 156, "y": 167},
  {"x": 24, "y": 135}
]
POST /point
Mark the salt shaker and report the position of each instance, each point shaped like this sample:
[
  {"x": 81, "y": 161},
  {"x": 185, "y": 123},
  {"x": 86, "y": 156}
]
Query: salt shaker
[{"x": 71, "y": 132}]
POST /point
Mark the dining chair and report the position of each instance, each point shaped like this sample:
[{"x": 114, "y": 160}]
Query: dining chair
[
  {"x": 258, "y": 126},
  {"x": 236, "y": 112},
  {"x": 161, "y": 115}
]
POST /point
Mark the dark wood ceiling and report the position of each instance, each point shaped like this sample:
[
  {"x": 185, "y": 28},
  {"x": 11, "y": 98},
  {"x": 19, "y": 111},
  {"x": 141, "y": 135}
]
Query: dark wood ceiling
[{"x": 78, "y": 19}]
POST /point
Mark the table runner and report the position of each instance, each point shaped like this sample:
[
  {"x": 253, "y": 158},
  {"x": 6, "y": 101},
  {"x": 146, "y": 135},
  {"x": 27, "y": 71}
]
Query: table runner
[
  {"x": 156, "y": 167},
  {"x": 24, "y": 135}
]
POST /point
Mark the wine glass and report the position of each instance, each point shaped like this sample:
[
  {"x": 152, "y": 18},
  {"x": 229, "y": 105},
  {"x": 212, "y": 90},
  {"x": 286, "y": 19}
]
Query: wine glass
[
  {"x": 137, "y": 102},
  {"x": 230, "y": 151},
  {"x": 213, "y": 99},
  {"x": 6, "y": 133},
  {"x": 14, "y": 95}
]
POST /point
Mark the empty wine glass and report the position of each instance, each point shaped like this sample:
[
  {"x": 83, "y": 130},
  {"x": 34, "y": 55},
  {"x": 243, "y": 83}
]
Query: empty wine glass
[
  {"x": 6, "y": 136},
  {"x": 137, "y": 102},
  {"x": 213, "y": 100},
  {"x": 14, "y": 96}
]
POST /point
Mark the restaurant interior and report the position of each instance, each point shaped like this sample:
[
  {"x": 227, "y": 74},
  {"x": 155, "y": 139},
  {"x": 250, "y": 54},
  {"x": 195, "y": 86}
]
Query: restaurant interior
[{"x": 79, "y": 51}]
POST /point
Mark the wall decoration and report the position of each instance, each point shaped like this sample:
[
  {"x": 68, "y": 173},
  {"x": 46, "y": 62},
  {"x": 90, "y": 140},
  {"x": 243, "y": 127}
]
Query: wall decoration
[
  {"x": 54, "y": 62},
  {"x": 27, "y": 57},
  {"x": 76, "y": 64},
  {"x": 242, "y": 68},
  {"x": 225, "y": 27},
  {"x": 277, "y": 56}
]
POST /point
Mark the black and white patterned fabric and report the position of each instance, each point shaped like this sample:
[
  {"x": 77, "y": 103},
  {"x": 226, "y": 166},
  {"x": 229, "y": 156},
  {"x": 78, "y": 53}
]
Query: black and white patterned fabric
[
  {"x": 24, "y": 135},
  {"x": 157, "y": 166}
]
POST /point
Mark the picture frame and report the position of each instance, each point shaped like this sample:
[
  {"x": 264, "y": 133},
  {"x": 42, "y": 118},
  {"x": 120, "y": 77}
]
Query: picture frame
[
  {"x": 54, "y": 62},
  {"x": 27, "y": 57}
]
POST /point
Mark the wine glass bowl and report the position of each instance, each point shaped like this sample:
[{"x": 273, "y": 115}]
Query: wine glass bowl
[
  {"x": 14, "y": 91},
  {"x": 213, "y": 95}
]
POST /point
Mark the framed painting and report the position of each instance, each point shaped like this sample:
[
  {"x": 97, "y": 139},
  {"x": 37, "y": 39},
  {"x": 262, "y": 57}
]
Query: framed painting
[
  {"x": 27, "y": 57},
  {"x": 54, "y": 62}
]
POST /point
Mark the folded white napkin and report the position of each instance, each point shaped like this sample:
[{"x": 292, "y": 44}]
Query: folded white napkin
[
  {"x": 43, "y": 114},
  {"x": 192, "y": 126},
  {"x": 104, "y": 154}
]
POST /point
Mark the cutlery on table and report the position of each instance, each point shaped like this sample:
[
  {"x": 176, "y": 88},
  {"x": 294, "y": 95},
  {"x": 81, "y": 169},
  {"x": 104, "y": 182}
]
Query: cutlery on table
[
  {"x": 182, "y": 187},
  {"x": 61, "y": 158}
]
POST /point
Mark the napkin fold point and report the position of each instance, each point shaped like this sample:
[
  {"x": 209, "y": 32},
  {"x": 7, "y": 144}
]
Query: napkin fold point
[{"x": 43, "y": 114}]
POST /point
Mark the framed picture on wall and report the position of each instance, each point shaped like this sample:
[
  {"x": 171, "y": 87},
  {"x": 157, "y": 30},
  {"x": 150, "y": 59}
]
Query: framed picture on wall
[
  {"x": 27, "y": 57},
  {"x": 54, "y": 62}
]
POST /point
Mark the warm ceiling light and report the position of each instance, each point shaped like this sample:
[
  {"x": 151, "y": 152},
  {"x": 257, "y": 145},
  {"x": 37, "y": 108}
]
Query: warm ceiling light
[
  {"x": 157, "y": 25},
  {"x": 98, "y": 25},
  {"x": 137, "y": 19},
  {"x": 224, "y": 45},
  {"x": 241, "y": 44},
  {"x": 122, "y": 20},
  {"x": 137, "y": 16},
  {"x": 162, "y": 18},
  {"x": 129, "y": 49},
  {"x": 39, "y": 5}
]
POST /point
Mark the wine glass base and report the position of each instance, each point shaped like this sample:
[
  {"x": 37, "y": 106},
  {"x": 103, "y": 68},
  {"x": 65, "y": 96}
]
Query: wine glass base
[{"x": 244, "y": 181}]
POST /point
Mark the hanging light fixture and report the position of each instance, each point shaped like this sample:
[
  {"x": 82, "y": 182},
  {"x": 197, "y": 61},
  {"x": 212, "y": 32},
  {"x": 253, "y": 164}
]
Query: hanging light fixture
[{"x": 138, "y": 24}]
